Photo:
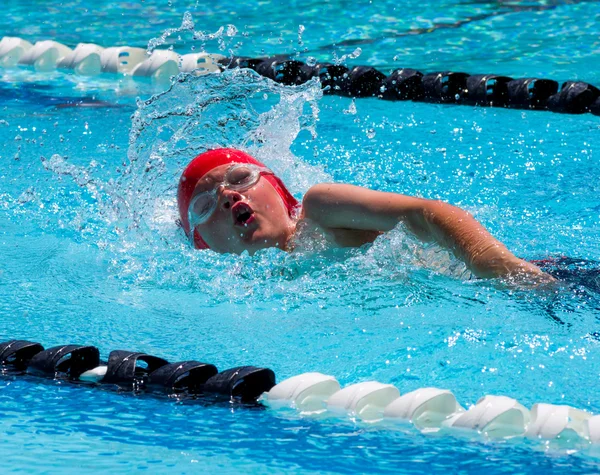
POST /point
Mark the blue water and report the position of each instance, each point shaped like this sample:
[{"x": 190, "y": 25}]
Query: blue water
[{"x": 91, "y": 253}]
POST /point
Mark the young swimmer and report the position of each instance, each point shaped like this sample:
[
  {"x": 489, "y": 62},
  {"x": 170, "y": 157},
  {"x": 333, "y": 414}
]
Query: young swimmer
[{"x": 230, "y": 202}]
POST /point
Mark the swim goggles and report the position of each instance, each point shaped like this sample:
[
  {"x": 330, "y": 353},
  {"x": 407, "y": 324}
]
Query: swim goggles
[{"x": 238, "y": 177}]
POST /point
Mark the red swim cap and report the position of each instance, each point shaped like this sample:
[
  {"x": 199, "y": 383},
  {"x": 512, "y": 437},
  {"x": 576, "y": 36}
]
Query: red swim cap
[{"x": 204, "y": 163}]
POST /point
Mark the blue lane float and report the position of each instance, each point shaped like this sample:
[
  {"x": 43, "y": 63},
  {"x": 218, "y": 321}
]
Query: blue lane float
[
  {"x": 310, "y": 394},
  {"x": 445, "y": 87}
]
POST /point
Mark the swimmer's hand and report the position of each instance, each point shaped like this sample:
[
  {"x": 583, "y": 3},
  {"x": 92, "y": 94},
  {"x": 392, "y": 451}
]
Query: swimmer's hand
[{"x": 338, "y": 206}]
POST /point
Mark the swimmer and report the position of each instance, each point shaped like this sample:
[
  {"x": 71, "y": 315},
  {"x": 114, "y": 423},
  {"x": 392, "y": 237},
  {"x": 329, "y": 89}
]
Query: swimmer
[{"x": 230, "y": 202}]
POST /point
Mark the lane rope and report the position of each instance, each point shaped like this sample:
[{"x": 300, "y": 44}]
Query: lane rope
[
  {"x": 445, "y": 87},
  {"x": 371, "y": 402}
]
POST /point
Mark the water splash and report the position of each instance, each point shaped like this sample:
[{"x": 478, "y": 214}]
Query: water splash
[
  {"x": 342, "y": 59},
  {"x": 188, "y": 25},
  {"x": 237, "y": 109}
]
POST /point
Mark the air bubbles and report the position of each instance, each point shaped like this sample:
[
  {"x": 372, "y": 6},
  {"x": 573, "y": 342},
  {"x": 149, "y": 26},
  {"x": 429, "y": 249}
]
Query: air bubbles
[
  {"x": 311, "y": 61},
  {"x": 371, "y": 133}
]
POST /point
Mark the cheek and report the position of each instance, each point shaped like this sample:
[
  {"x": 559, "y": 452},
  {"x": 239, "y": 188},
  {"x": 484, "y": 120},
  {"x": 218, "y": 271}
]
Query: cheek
[
  {"x": 264, "y": 198},
  {"x": 215, "y": 234}
]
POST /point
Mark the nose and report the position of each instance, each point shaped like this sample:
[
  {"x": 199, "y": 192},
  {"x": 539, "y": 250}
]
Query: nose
[{"x": 229, "y": 198}]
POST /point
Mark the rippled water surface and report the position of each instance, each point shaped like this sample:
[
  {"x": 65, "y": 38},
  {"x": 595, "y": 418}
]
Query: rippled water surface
[{"x": 91, "y": 252}]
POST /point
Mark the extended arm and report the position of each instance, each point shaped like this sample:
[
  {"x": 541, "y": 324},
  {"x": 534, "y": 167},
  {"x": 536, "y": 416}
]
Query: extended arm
[{"x": 339, "y": 206}]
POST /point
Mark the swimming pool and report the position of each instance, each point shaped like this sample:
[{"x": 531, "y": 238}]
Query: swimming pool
[{"x": 91, "y": 252}]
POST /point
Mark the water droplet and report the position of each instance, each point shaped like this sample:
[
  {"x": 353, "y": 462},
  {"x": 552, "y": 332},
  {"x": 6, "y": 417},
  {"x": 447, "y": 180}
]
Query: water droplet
[
  {"x": 231, "y": 30},
  {"x": 311, "y": 61},
  {"x": 356, "y": 53},
  {"x": 351, "y": 109},
  {"x": 300, "y": 31},
  {"x": 371, "y": 133}
]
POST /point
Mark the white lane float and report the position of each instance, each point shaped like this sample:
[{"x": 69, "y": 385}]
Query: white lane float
[
  {"x": 549, "y": 421},
  {"x": 12, "y": 49},
  {"x": 366, "y": 401},
  {"x": 160, "y": 66},
  {"x": 94, "y": 375},
  {"x": 201, "y": 63},
  {"x": 591, "y": 429},
  {"x": 306, "y": 392},
  {"x": 83, "y": 60},
  {"x": 494, "y": 416},
  {"x": 426, "y": 408},
  {"x": 45, "y": 55},
  {"x": 89, "y": 59},
  {"x": 121, "y": 59},
  {"x": 429, "y": 409}
]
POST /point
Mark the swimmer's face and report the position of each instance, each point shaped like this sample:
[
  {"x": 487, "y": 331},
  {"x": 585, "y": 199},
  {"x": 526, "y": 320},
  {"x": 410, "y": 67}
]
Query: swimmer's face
[{"x": 247, "y": 220}]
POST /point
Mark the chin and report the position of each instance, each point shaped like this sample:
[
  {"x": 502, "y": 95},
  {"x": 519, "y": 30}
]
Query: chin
[{"x": 260, "y": 242}]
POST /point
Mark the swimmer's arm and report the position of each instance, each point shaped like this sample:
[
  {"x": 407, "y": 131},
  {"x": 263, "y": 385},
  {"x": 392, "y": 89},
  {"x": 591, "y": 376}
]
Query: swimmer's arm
[{"x": 339, "y": 206}]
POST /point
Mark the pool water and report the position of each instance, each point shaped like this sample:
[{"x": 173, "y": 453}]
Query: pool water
[{"x": 91, "y": 253}]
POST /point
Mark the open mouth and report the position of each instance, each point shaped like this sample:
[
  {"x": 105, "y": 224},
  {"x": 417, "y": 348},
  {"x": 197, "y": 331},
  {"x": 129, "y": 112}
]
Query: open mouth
[{"x": 243, "y": 214}]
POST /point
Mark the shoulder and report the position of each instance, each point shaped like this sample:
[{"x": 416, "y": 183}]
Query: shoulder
[
  {"x": 322, "y": 191},
  {"x": 323, "y": 196},
  {"x": 353, "y": 207},
  {"x": 332, "y": 193}
]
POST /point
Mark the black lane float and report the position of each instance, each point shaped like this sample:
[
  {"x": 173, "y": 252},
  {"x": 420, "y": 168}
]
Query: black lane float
[
  {"x": 445, "y": 87},
  {"x": 134, "y": 371}
]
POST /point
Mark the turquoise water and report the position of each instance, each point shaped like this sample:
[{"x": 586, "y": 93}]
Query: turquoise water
[{"x": 92, "y": 255}]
